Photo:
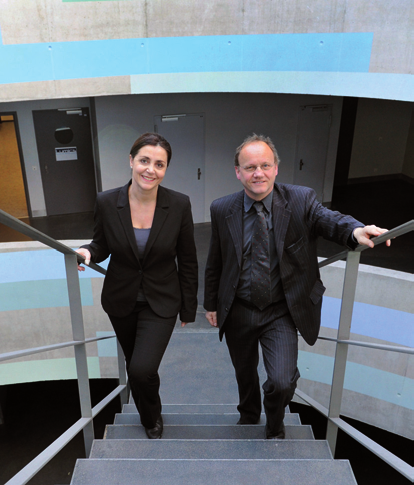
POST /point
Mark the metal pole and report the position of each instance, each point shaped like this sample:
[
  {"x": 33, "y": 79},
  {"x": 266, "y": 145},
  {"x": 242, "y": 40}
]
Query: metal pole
[
  {"x": 344, "y": 331},
  {"x": 122, "y": 374},
  {"x": 78, "y": 331}
]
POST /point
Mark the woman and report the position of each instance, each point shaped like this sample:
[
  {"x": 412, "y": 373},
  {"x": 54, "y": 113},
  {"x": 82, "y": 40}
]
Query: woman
[{"x": 148, "y": 230}]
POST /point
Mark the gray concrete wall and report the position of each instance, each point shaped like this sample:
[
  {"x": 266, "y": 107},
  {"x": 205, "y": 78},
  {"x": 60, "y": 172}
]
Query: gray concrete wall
[
  {"x": 55, "y": 21},
  {"x": 383, "y": 141},
  {"x": 51, "y": 24},
  {"x": 229, "y": 119}
]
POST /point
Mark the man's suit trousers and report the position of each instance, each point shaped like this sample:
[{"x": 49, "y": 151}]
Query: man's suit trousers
[{"x": 246, "y": 327}]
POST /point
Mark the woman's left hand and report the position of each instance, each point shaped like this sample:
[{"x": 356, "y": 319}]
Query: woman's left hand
[{"x": 183, "y": 324}]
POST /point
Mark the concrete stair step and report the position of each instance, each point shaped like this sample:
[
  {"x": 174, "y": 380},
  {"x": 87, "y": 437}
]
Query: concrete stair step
[
  {"x": 213, "y": 472},
  {"x": 188, "y": 408},
  {"x": 203, "y": 432},
  {"x": 212, "y": 449},
  {"x": 191, "y": 408},
  {"x": 181, "y": 418}
]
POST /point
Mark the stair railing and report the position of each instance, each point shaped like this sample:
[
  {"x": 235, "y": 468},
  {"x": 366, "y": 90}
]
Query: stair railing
[
  {"x": 79, "y": 342},
  {"x": 342, "y": 344},
  {"x": 88, "y": 413}
]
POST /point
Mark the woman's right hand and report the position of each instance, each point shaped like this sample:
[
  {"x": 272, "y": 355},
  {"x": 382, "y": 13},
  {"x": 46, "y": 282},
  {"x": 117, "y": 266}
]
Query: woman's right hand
[{"x": 86, "y": 254}]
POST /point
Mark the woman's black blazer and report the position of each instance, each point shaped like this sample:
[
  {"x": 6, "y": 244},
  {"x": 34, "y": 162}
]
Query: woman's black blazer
[{"x": 169, "y": 290}]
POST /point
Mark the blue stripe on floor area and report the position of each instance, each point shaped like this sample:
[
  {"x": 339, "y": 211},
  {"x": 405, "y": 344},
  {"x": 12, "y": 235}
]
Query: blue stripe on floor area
[
  {"x": 325, "y": 52},
  {"x": 376, "y": 383}
]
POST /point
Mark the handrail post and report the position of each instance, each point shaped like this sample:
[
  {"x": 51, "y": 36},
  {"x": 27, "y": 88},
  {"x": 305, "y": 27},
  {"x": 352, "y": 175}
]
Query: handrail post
[
  {"x": 78, "y": 331},
  {"x": 341, "y": 354},
  {"x": 122, "y": 374}
]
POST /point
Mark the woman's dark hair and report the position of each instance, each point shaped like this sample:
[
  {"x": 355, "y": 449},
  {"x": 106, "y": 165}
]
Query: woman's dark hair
[{"x": 153, "y": 139}]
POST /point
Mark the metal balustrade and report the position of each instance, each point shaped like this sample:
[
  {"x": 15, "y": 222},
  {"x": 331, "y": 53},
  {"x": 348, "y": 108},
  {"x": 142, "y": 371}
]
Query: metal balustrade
[
  {"x": 79, "y": 342},
  {"x": 88, "y": 413},
  {"x": 342, "y": 344}
]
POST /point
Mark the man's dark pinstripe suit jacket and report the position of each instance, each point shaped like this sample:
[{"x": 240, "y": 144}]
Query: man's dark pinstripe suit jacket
[{"x": 298, "y": 220}]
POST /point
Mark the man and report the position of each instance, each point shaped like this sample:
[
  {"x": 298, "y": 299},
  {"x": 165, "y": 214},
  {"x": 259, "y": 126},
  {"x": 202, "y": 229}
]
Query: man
[{"x": 262, "y": 281}]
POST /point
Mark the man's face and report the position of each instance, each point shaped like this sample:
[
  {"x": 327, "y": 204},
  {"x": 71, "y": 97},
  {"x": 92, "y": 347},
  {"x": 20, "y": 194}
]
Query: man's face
[{"x": 257, "y": 183}]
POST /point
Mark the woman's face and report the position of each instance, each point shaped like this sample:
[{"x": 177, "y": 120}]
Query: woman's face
[{"x": 148, "y": 167}]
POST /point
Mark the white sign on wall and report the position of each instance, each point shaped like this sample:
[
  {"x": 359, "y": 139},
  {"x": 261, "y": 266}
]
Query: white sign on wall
[{"x": 68, "y": 153}]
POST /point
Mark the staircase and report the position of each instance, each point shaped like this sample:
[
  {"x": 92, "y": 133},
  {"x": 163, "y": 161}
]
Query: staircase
[{"x": 201, "y": 443}]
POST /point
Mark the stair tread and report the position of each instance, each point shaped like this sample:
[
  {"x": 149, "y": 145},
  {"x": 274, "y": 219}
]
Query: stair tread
[
  {"x": 197, "y": 449},
  {"x": 190, "y": 408},
  {"x": 133, "y": 431},
  {"x": 215, "y": 472},
  {"x": 196, "y": 418}
]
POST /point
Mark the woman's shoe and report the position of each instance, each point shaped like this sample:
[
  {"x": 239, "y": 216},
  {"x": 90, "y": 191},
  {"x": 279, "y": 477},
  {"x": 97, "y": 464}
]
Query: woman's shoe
[{"x": 155, "y": 433}]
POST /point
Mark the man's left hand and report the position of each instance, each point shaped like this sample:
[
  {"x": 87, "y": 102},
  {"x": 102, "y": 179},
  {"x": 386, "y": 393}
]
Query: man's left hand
[{"x": 363, "y": 234}]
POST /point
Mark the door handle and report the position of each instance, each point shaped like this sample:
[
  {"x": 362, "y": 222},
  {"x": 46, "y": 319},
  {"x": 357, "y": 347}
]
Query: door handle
[
  {"x": 301, "y": 164},
  {"x": 198, "y": 174}
]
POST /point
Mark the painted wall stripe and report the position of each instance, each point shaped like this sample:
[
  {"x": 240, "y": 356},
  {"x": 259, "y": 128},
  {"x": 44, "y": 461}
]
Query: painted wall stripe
[
  {"x": 41, "y": 294},
  {"x": 106, "y": 348},
  {"x": 45, "y": 370},
  {"x": 344, "y": 52},
  {"x": 366, "y": 380},
  {"x": 38, "y": 265},
  {"x": 368, "y": 85},
  {"x": 79, "y": 1},
  {"x": 21, "y": 268},
  {"x": 372, "y": 321}
]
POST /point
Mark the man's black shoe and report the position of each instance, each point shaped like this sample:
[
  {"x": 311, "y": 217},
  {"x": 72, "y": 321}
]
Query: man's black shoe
[
  {"x": 248, "y": 421},
  {"x": 155, "y": 433},
  {"x": 280, "y": 435}
]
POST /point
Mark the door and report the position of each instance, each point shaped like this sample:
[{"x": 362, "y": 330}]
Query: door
[
  {"x": 12, "y": 178},
  {"x": 64, "y": 144},
  {"x": 312, "y": 146},
  {"x": 185, "y": 133}
]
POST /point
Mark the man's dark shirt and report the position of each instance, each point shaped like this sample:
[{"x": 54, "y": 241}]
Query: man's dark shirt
[{"x": 249, "y": 218}]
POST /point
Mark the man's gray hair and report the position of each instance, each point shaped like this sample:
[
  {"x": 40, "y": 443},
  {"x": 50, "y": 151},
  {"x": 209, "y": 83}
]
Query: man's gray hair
[{"x": 252, "y": 139}]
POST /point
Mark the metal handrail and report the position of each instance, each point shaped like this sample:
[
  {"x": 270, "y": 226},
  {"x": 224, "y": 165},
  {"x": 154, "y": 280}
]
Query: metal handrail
[
  {"x": 391, "y": 234},
  {"x": 46, "y": 348},
  {"x": 360, "y": 343},
  {"x": 382, "y": 453},
  {"x": 343, "y": 342},
  {"x": 37, "y": 235},
  {"x": 31, "y": 469},
  {"x": 85, "y": 423},
  {"x": 334, "y": 420}
]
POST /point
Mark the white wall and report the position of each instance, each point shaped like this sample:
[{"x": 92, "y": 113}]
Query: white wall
[
  {"x": 27, "y": 135},
  {"x": 381, "y": 133},
  {"x": 229, "y": 119}
]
